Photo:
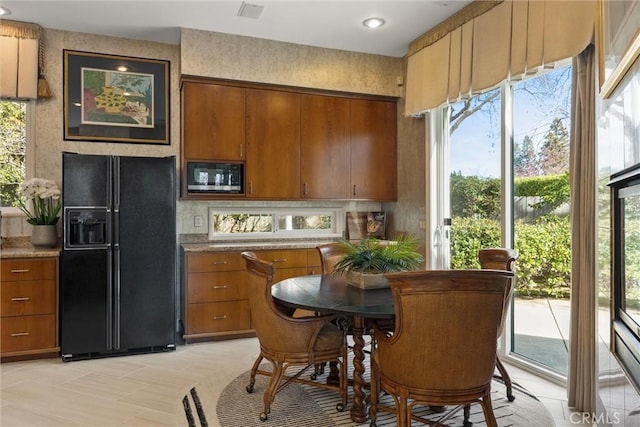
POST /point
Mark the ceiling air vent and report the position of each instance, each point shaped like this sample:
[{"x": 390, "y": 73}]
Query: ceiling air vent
[{"x": 250, "y": 10}]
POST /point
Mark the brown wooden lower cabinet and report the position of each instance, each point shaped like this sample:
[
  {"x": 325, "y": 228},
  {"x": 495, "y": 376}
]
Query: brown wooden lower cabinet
[
  {"x": 29, "y": 315},
  {"x": 217, "y": 305}
]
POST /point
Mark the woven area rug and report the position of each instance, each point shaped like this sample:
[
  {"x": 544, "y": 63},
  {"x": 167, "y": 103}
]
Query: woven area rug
[{"x": 301, "y": 405}]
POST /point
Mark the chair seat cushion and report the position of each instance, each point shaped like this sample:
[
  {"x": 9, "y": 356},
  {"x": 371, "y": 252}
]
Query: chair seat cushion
[{"x": 330, "y": 337}]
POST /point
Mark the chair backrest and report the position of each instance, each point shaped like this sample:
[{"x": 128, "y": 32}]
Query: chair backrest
[
  {"x": 446, "y": 328},
  {"x": 330, "y": 254},
  {"x": 499, "y": 259},
  {"x": 271, "y": 324}
]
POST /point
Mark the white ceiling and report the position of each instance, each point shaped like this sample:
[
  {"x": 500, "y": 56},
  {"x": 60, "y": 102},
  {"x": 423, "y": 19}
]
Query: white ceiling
[{"x": 331, "y": 24}]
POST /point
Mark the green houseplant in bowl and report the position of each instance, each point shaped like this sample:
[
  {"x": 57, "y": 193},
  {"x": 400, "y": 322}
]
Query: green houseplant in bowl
[{"x": 365, "y": 261}]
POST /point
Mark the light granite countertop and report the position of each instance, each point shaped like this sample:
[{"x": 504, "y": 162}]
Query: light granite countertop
[
  {"x": 29, "y": 252},
  {"x": 245, "y": 245}
]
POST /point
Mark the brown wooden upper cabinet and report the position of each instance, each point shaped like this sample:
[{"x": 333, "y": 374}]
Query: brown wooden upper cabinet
[
  {"x": 325, "y": 147},
  {"x": 273, "y": 144},
  {"x": 373, "y": 150},
  {"x": 213, "y": 122},
  {"x": 295, "y": 143}
]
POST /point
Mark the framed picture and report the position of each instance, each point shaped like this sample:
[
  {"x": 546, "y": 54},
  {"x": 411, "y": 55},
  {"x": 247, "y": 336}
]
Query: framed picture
[
  {"x": 618, "y": 41},
  {"x": 111, "y": 98}
]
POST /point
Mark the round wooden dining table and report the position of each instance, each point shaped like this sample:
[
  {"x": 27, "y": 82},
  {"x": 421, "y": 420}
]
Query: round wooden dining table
[{"x": 332, "y": 294}]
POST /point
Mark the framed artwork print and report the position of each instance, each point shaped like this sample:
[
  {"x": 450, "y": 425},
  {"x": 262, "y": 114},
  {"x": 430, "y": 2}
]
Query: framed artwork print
[
  {"x": 618, "y": 41},
  {"x": 111, "y": 98}
]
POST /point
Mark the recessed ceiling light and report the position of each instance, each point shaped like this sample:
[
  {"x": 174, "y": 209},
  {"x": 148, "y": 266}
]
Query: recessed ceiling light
[
  {"x": 373, "y": 22},
  {"x": 4, "y": 11},
  {"x": 123, "y": 68}
]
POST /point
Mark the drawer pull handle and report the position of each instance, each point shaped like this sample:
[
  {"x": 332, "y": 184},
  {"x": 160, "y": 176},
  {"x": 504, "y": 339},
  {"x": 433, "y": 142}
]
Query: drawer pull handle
[
  {"x": 20, "y": 334},
  {"x": 220, "y": 287},
  {"x": 219, "y": 317},
  {"x": 280, "y": 260},
  {"x": 20, "y": 299},
  {"x": 24, "y": 270},
  {"x": 219, "y": 263}
]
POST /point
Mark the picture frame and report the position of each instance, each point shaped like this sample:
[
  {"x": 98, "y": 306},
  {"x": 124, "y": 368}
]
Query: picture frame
[
  {"x": 618, "y": 41},
  {"x": 111, "y": 98}
]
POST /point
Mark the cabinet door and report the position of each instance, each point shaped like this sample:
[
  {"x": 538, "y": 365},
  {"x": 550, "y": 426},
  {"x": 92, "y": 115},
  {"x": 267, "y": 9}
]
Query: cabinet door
[
  {"x": 373, "y": 150},
  {"x": 325, "y": 147},
  {"x": 213, "y": 121},
  {"x": 273, "y": 144}
]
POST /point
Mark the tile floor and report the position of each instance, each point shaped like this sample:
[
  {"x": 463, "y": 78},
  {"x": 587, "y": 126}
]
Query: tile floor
[{"x": 146, "y": 390}]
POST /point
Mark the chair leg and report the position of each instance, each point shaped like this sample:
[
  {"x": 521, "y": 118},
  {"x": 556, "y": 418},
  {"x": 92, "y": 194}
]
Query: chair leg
[
  {"x": 252, "y": 376},
  {"x": 334, "y": 373},
  {"x": 272, "y": 389},
  {"x": 489, "y": 416},
  {"x": 403, "y": 415},
  {"x": 374, "y": 395},
  {"x": 506, "y": 379},
  {"x": 343, "y": 385},
  {"x": 467, "y": 415}
]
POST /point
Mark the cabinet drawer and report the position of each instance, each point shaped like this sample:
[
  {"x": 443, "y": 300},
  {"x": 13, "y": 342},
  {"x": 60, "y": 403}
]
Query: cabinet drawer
[
  {"x": 28, "y": 269},
  {"x": 214, "y": 287},
  {"x": 214, "y": 261},
  {"x": 284, "y": 258},
  {"x": 28, "y": 298},
  {"x": 218, "y": 317},
  {"x": 28, "y": 333}
]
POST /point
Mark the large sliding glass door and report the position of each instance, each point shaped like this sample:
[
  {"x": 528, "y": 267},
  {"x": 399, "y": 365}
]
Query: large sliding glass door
[
  {"x": 541, "y": 218},
  {"x": 506, "y": 155}
]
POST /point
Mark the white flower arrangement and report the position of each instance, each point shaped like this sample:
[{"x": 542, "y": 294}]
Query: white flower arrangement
[{"x": 45, "y": 198}]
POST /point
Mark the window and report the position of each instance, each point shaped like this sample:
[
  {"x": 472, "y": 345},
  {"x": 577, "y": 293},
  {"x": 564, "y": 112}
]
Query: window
[
  {"x": 505, "y": 182},
  {"x": 274, "y": 223},
  {"x": 626, "y": 270},
  {"x": 13, "y": 150}
]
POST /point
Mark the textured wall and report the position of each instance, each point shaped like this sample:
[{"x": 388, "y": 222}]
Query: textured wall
[
  {"x": 49, "y": 113},
  {"x": 212, "y": 55},
  {"x": 235, "y": 57},
  {"x": 48, "y": 136}
]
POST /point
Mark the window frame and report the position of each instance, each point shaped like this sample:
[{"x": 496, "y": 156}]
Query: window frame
[
  {"x": 30, "y": 156},
  {"x": 337, "y": 230},
  {"x": 625, "y": 330}
]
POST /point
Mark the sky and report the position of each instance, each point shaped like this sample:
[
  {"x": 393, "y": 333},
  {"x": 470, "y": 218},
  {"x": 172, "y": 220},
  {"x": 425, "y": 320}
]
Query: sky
[{"x": 475, "y": 145}]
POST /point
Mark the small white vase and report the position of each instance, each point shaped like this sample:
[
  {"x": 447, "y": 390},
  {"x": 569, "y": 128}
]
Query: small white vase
[{"x": 44, "y": 236}]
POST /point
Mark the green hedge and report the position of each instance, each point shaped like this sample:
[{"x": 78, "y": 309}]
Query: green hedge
[
  {"x": 553, "y": 190},
  {"x": 544, "y": 252}
]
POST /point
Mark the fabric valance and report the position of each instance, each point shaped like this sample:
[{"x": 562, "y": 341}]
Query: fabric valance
[
  {"x": 19, "y": 44},
  {"x": 493, "y": 41}
]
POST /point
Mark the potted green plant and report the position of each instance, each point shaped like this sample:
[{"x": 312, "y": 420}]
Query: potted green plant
[{"x": 365, "y": 261}]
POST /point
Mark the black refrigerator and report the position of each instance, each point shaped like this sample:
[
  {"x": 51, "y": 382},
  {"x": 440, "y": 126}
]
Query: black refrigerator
[{"x": 118, "y": 260}]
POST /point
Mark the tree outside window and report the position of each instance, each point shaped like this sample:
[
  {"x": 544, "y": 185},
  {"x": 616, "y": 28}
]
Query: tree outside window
[{"x": 13, "y": 145}]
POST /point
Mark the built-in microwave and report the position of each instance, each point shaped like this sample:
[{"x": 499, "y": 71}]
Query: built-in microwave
[{"x": 205, "y": 177}]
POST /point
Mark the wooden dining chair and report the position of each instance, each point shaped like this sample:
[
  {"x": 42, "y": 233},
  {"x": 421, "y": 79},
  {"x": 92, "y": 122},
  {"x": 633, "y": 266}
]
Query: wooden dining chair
[
  {"x": 501, "y": 259},
  {"x": 287, "y": 341},
  {"x": 443, "y": 349},
  {"x": 330, "y": 254}
]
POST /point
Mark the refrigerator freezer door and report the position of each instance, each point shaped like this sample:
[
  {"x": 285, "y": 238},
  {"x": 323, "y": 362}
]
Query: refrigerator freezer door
[
  {"x": 86, "y": 180},
  {"x": 145, "y": 238},
  {"x": 85, "y": 317}
]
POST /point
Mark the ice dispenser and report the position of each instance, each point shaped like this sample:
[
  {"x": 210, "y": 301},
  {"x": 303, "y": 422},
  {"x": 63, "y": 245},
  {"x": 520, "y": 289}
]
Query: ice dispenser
[{"x": 85, "y": 227}]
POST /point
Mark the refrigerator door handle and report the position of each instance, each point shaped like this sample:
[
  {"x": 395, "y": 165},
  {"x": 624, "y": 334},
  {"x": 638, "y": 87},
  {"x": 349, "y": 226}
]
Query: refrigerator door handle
[
  {"x": 116, "y": 302},
  {"x": 116, "y": 183},
  {"x": 109, "y": 299}
]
